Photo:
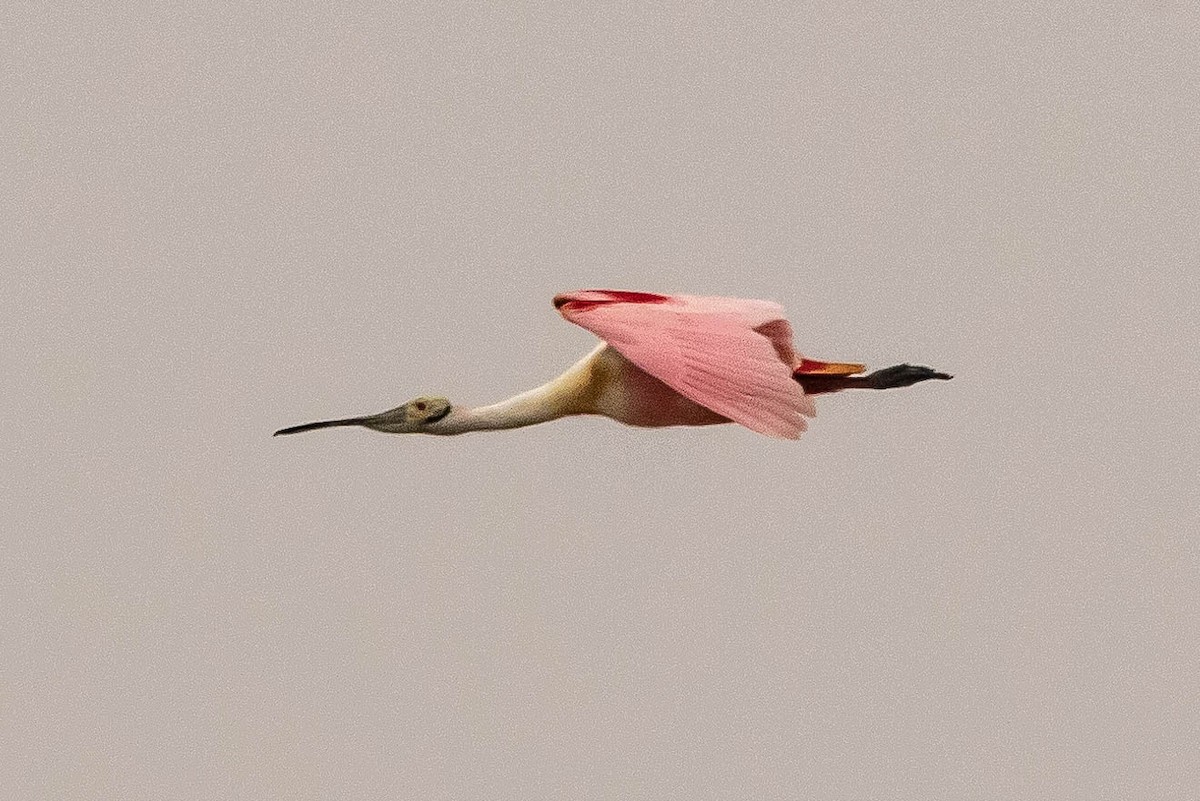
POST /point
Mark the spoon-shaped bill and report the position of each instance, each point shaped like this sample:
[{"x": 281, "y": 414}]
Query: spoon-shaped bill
[{"x": 349, "y": 421}]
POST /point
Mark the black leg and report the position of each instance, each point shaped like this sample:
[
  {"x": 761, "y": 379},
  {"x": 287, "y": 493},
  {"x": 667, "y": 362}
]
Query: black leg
[{"x": 902, "y": 375}]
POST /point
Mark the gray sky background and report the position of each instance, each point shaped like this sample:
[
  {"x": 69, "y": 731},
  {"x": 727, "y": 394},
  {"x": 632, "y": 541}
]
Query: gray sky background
[{"x": 222, "y": 220}]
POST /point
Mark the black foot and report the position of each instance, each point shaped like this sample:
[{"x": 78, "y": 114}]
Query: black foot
[{"x": 902, "y": 375}]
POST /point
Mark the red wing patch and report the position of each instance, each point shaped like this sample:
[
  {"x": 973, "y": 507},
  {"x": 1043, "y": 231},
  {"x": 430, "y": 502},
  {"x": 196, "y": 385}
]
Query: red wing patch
[{"x": 591, "y": 298}]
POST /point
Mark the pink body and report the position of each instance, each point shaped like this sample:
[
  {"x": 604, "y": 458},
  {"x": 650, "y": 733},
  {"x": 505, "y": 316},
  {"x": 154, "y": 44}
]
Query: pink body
[
  {"x": 730, "y": 357},
  {"x": 667, "y": 360}
]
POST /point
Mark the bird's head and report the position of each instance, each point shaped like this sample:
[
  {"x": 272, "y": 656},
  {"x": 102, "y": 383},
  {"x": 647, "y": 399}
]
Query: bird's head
[
  {"x": 414, "y": 417},
  {"x": 419, "y": 416}
]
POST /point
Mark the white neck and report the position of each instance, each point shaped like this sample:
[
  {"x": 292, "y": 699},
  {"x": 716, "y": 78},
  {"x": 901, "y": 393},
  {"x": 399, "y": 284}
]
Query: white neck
[
  {"x": 527, "y": 409},
  {"x": 565, "y": 395}
]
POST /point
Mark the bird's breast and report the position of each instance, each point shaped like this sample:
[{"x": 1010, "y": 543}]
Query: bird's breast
[{"x": 623, "y": 391}]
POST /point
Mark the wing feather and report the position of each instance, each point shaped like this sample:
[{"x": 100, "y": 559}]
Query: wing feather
[{"x": 707, "y": 349}]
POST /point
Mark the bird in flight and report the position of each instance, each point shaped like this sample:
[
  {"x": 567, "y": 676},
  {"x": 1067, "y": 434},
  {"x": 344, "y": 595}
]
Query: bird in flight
[{"x": 664, "y": 360}]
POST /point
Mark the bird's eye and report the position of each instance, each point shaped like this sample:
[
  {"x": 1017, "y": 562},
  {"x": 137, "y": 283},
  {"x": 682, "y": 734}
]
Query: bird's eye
[{"x": 421, "y": 406}]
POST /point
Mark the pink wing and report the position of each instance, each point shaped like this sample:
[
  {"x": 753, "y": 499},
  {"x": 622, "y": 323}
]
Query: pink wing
[{"x": 732, "y": 356}]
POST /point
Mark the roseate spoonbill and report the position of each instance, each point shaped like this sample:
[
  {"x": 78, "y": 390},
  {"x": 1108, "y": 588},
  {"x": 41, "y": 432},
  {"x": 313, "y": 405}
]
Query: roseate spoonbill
[{"x": 665, "y": 360}]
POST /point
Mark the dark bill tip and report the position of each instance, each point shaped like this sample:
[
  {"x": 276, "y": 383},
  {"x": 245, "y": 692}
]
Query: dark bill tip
[{"x": 350, "y": 421}]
